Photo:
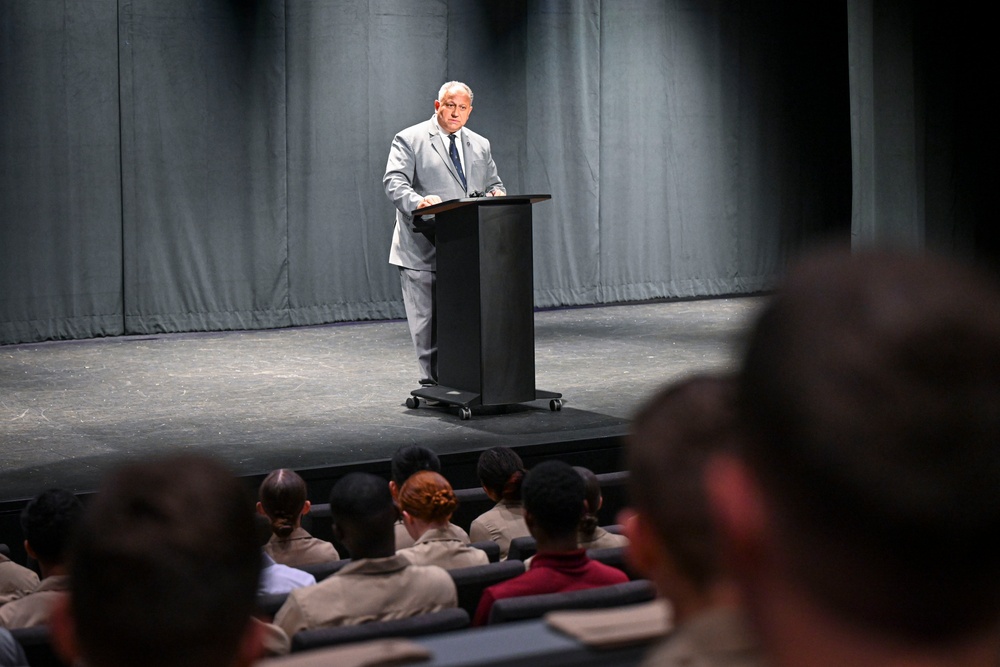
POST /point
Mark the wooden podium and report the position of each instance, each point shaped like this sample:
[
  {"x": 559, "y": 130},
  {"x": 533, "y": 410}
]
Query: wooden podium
[{"x": 484, "y": 300}]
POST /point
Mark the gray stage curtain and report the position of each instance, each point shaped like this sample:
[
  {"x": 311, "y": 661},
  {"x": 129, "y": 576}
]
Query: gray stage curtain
[
  {"x": 60, "y": 187},
  {"x": 230, "y": 152},
  {"x": 924, "y": 133}
]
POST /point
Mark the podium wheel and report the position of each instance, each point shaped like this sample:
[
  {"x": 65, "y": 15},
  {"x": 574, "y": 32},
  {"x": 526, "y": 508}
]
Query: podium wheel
[
  {"x": 413, "y": 402},
  {"x": 465, "y": 413},
  {"x": 555, "y": 405}
]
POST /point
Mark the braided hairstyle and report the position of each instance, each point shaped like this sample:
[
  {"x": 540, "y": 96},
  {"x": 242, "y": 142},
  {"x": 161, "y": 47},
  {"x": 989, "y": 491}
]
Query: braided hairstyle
[
  {"x": 428, "y": 496},
  {"x": 283, "y": 495}
]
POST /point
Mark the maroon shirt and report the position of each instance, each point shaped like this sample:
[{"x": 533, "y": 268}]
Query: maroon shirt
[{"x": 551, "y": 573}]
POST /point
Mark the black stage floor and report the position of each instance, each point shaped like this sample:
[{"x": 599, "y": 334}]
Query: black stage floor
[{"x": 327, "y": 396}]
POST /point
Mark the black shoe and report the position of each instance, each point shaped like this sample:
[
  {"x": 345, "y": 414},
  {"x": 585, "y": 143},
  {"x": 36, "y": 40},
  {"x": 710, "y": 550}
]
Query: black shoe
[{"x": 427, "y": 382}]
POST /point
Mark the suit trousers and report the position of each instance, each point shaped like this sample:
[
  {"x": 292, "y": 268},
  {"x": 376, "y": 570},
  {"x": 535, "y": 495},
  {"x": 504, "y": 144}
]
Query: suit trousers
[{"x": 418, "y": 299}]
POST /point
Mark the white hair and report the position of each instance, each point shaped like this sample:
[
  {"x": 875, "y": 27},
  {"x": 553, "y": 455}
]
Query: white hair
[{"x": 454, "y": 84}]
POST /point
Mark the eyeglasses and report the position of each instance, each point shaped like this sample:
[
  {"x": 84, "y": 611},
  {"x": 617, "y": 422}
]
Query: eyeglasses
[{"x": 451, "y": 106}]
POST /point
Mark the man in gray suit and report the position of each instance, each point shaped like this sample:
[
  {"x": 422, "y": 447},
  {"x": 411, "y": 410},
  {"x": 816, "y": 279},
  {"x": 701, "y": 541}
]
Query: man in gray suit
[{"x": 430, "y": 162}]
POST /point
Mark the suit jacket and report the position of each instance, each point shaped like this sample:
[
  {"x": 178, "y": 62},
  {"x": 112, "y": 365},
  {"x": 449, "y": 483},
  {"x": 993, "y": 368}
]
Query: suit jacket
[{"x": 418, "y": 166}]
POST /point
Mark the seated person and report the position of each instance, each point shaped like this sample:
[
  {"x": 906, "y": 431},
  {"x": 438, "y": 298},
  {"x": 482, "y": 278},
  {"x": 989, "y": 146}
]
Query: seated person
[
  {"x": 48, "y": 521},
  {"x": 16, "y": 581},
  {"x": 500, "y": 472},
  {"x": 427, "y": 502},
  {"x": 408, "y": 460},
  {"x": 165, "y": 571},
  {"x": 553, "y": 504},
  {"x": 590, "y": 535},
  {"x": 672, "y": 539},
  {"x": 276, "y": 578},
  {"x": 378, "y": 584},
  {"x": 283, "y": 501}
]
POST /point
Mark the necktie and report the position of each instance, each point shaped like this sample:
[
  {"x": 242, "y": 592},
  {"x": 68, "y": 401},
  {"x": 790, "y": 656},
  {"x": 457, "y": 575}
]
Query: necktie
[{"x": 453, "y": 151}]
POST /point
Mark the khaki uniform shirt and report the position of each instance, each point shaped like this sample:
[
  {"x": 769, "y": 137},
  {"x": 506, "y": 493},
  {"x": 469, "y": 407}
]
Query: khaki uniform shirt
[
  {"x": 404, "y": 541},
  {"x": 300, "y": 548},
  {"x": 501, "y": 524},
  {"x": 716, "y": 638},
  {"x": 368, "y": 589},
  {"x": 602, "y": 539},
  {"x": 445, "y": 547},
  {"x": 33, "y": 609},
  {"x": 16, "y": 581}
]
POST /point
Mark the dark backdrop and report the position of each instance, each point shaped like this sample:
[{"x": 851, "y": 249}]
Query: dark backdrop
[{"x": 216, "y": 164}]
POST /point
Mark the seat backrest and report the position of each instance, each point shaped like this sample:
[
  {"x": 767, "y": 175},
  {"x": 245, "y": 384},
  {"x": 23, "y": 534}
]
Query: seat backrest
[
  {"x": 491, "y": 548},
  {"x": 414, "y": 626},
  {"x": 536, "y": 606},
  {"x": 613, "y": 556},
  {"x": 268, "y": 605},
  {"x": 470, "y": 582},
  {"x": 37, "y": 645},
  {"x": 323, "y": 570},
  {"x": 522, "y": 548},
  {"x": 5, "y": 550}
]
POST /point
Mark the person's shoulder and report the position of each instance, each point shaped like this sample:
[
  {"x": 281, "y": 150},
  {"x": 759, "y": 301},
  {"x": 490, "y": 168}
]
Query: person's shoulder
[{"x": 611, "y": 574}]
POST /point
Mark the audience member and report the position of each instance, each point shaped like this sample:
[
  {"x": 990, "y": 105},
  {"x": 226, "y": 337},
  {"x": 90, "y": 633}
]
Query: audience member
[
  {"x": 672, "y": 539},
  {"x": 276, "y": 578},
  {"x": 378, "y": 584},
  {"x": 283, "y": 501},
  {"x": 553, "y": 504},
  {"x": 861, "y": 509},
  {"x": 427, "y": 502},
  {"x": 501, "y": 473},
  {"x": 164, "y": 571},
  {"x": 590, "y": 535},
  {"x": 406, "y": 461},
  {"x": 16, "y": 581},
  {"x": 48, "y": 522}
]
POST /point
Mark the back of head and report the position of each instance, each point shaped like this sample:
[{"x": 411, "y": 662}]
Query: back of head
[
  {"x": 592, "y": 488},
  {"x": 554, "y": 496},
  {"x": 49, "y": 521},
  {"x": 362, "y": 507},
  {"x": 165, "y": 568},
  {"x": 283, "y": 495},
  {"x": 871, "y": 389},
  {"x": 428, "y": 496},
  {"x": 501, "y": 471},
  {"x": 410, "y": 459},
  {"x": 671, "y": 440}
]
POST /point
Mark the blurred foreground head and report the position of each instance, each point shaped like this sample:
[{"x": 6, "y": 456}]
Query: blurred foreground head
[
  {"x": 165, "y": 569},
  {"x": 868, "y": 481}
]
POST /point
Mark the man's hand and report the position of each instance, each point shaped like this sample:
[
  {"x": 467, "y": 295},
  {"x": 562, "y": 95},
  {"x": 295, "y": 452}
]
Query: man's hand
[
  {"x": 496, "y": 192},
  {"x": 429, "y": 200}
]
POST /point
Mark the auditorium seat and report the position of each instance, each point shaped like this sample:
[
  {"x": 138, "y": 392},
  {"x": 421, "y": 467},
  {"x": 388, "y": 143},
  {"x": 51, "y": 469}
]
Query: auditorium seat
[
  {"x": 536, "y": 606},
  {"x": 37, "y": 645},
  {"x": 414, "y": 626},
  {"x": 268, "y": 605},
  {"x": 491, "y": 548},
  {"x": 470, "y": 582},
  {"x": 323, "y": 570},
  {"x": 615, "y": 557},
  {"x": 522, "y": 548}
]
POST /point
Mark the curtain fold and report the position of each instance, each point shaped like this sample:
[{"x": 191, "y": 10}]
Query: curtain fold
[{"x": 212, "y": 164}]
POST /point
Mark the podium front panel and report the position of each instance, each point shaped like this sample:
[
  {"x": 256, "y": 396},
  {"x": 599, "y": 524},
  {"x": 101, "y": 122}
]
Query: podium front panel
[{"x": 485, "y": 302}]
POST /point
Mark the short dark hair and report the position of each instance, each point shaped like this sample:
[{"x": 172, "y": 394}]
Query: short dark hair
[
  {"x": 554, "y": 495},
  {"x": 501, "y": 471},
  {"x": 49, "y": 522},
  {"x": 409, "y": 459},
  {"x": 871, "y": 391},
  {"x": 671, "y": 439},
  {"x": 166, "y": 565},
  {"x": 363, "y": 502}
]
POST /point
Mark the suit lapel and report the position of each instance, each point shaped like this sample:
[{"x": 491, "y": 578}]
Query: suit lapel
[{"x": 441, "y": 148}]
